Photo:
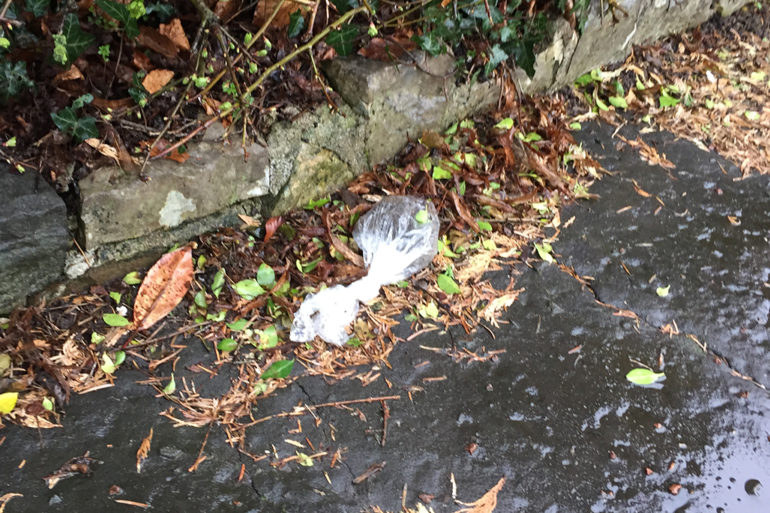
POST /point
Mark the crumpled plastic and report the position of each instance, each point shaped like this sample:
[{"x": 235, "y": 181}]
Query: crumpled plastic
[{"x": 395, "y": 245}]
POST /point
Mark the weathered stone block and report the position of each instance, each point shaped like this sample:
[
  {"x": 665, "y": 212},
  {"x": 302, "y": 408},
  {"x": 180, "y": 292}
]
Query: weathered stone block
[
  {"x": 607, "y": 39},
  {"x": 33, "y": 236},
  {"x": 401, "y": 100},
  {"x": 117, "y": 207}
]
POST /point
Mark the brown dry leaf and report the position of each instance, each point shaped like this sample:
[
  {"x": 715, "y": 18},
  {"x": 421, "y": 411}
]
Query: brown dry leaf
[
  {"x": 266, "y": 7},
  {"x": 175, "y": 33},
  {"x": 249, "y": 221},
  {"x": 7, "y": 497},
  {"x": 73, "y": 467},
  {"x": 164, "y": 287},
  {"x": 104, "y": 149},
  {"x": 225, "y": 9},
  {"x": 143, "y": 452},
  {"x": 385, "y": 50},
  {"x": 271, "y": 226},
  {"x": 71, "y": 74},
  {"x": 122, "y": 103},
  {"x": 488, "y": 501},
  {"x": 154, "y": 40},
  {"x": 157, "y": 79},
  {"x": 141, "y": 60}
]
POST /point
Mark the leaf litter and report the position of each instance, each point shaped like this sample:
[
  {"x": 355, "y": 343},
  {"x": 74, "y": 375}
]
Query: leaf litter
[{"x": 503, "y": 189}]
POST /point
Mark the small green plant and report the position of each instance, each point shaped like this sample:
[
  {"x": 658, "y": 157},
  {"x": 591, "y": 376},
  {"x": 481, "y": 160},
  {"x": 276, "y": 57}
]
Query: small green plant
[
  {"x": 71, "y": 42},
  {"x": 80, "y": 128},
  {"x": 104, "y": 53}
]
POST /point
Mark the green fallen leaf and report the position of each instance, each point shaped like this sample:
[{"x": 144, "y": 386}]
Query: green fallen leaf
[
  {"x": 447, "y": 284},
  {"x": 120, "y": 357},
  {"x": 601, "y": 105},
  {"x": 47, "y": 403},
  {"x": 751, "y": 115},
  {"x": 268, "y": 337},
  {"x": 304, "y": 460},
  {"x": 238, "y": 325},
  {"x": 132, "y": 278},
  {"x": 248, "y": 289},
  {"x": 11, "y": 143},
  {"x": 667, "y": 101},
  {"x": 218, "y": 282},
  {"x": 504, "y": 124},
  {"x": 200, "y": 299},
  {"x": 265, "y": 276},
  {"x": 618, "y": 102},
  {"x": 640, "y": 376},
  {"x": 421, "y": 216},
  {"x": 429, "y": 311},
  {"x": 108, "y": 366},
  {"x": 115, "y": 320},
  {"x": 544, "y": 252},
  {"x": 484, "y": 226},
  {"x": 201, "y": 262},
  {"x": 116, "y": 297},
  {"x": 226, "y": 345},
  {"x": 663, "y": 291},
  {"x": 439, "y": 173},
  {"x": 8, "y": 402},
  {"x": 170, "y": 388},
  {"x": 278, "y": 370},
  {"x": 96, "y": 338},
  {"x": 575, "y": 126}
]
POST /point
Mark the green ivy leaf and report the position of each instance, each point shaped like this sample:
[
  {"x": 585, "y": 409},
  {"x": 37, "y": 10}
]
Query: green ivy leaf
[
  {"x": 447, "y": 284},
  {"x": 278, "y": 370},
  {"x": 430, "y": 43},
  {"x": 122, "y": 14},
  {"x": 248, "y": 289},
  {"x": 226, "y": 345},
  {"x": 76, "y": 41},
  {"x": 37, "y": 7},
  {"x": 344, "y": 6},
  {"x": 79, "y": 128},
  {"x": 13, "y": 79},
  {"x": 496, "y": 56},
  {"x": 640, "y": 376},
  {"x": 265, "y": 275},
  {"x": 342, "y": 40},
  {"x": 296, "y": 24},
  {"x": 115, "y": 320}
]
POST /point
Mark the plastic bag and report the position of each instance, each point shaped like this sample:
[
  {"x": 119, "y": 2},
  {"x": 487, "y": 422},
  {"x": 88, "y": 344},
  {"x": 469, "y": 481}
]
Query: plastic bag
[{"x": 398, "y": 236}]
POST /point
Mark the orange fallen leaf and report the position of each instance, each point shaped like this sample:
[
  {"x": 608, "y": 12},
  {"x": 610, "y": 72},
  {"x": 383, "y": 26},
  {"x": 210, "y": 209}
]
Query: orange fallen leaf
[
  {"x": 143, "y": 452},
  {"x": 141, "y": 60},
  {"x": 271, "y": 226},
  {"x": 164, "y": 287},
  {"x": 157, "y": 79},
  {"x": 487, "y": 502},
  {"x": 175, "y": 33},
  {"x": 71, "y": 74},
  {"x": 154, "y": 40}
]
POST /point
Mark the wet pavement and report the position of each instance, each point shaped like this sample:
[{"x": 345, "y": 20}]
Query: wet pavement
[{"x": 553, "y": 414}]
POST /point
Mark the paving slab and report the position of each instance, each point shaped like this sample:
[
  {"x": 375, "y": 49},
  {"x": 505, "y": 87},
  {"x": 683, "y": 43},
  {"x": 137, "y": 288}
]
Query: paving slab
[
  {"x": 553, "y": 414},
  {"x": 698, "y": 228}
]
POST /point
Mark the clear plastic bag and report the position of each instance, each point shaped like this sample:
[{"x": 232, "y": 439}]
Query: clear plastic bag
[{"x": 397, "y": 239}]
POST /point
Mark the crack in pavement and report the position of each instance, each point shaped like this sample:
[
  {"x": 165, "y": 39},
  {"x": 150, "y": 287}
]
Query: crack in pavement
[{"x": 717, "y": 359}]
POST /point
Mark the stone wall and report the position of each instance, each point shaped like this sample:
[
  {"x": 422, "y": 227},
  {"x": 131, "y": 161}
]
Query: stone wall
[{"x": 124, "y": 222}]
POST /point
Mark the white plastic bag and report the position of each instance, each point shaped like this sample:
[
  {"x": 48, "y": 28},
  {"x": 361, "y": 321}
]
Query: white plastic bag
[{"x": 398, "y": 236}]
